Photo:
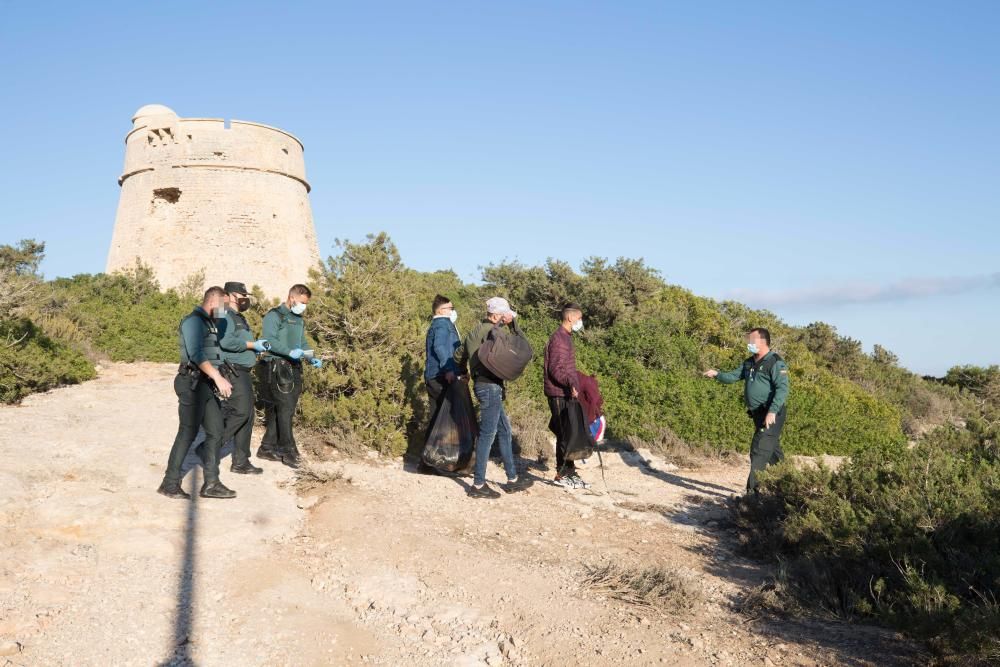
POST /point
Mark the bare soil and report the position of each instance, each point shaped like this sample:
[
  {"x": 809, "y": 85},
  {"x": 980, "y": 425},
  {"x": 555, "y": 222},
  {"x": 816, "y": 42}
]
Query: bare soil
[{"x": 363, "y": 561}]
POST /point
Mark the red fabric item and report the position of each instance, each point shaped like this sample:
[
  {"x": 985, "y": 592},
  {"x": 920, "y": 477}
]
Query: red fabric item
[
  {"x": 560, "y": 365},
  {"x": 590, "y": 397}
]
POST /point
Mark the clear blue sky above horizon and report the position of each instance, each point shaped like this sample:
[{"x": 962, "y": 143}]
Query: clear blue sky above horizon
[{"x": 829, "y": 161}]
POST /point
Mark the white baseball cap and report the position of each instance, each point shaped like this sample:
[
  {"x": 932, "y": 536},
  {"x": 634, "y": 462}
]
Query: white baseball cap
[{"x": 499, "y": 306}]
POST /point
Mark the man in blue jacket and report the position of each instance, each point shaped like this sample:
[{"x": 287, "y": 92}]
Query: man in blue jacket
[{"x": 442, "y": 341}]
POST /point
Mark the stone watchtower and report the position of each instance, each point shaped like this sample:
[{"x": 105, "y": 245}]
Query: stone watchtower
[{"x": 227, "y": 197}]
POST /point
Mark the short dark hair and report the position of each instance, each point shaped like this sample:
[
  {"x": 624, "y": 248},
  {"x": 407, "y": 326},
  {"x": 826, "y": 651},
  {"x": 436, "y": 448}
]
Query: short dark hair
[
  {"x": 214, "y": 290},
  {"x": 763, "y": 333},
  {"x": 570, "y": 308},
  {"x": 439, "y": 301},
  {"x": 300, "y": 290}
]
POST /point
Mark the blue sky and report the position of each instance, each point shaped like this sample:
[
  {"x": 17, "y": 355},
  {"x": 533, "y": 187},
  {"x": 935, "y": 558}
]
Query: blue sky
[{"x": 830, "y": 161}]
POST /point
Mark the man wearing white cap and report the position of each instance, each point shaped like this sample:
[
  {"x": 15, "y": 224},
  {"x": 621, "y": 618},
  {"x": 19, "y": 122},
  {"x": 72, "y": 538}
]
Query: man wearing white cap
[{"x": 489, "y": 389}]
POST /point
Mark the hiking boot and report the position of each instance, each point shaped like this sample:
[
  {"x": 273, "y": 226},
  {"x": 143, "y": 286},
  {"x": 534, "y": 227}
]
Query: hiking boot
[
  {"x": 268, "y": 454},
  {"x": 578, "y": 483},
  {"x": 515, "y": 485},
  {"x": 173, "y": 491},
  {"x": 483, "y": 491},
  {"x": 216, "y": 489},
  {"x": 245, "y": 468}
]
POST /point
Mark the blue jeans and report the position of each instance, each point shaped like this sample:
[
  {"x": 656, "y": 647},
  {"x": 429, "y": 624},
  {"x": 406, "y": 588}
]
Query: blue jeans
[{"x": 493, "y": 422}]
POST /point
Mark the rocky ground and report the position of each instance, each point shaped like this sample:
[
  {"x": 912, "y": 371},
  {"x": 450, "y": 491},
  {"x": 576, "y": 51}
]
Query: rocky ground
[{"x": 362, "y": 561}]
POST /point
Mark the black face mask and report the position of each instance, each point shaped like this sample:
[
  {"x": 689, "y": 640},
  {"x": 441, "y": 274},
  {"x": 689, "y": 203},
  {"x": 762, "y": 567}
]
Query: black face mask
[{"x": 243, "y": 304}]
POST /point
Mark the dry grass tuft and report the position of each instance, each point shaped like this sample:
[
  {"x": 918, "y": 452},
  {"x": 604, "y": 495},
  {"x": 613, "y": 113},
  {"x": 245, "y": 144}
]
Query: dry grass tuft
[
  {"x": 309, "y": 478},
  {"x": 655, "y": 588},
  {"x": 651, "y": 508}
]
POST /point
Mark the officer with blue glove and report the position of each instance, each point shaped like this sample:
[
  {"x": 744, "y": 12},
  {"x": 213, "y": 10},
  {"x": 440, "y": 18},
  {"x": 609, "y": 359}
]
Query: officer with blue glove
[
  {"x": 239, "y": 354},
  {"x": 281, "y": 375}
]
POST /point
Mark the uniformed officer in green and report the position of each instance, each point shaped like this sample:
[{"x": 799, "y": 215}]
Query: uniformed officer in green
[
  {"x": 765, "y": 392},
  {"x": 239, "y": 354},
  {"x": 281, "y": 375},
  {"x": 197, "y": 403}
]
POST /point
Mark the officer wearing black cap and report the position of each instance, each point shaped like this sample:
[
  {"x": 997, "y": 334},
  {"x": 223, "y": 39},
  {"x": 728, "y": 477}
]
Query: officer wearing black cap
[
  {"x": 239, "y": 356},
  {"x": 200, "y": 389}
]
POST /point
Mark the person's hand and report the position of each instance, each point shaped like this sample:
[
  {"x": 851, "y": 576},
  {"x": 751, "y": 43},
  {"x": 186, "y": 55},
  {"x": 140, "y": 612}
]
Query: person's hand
[
  {"x": 261, "y": 345},
  {"x": 576, "y": 394},
  {"x": 316, "y": 363},
  {"x": 710, "y": 373},
  {"x": 770, "y": 419},
  {"x": 296, "y": 353},
  {"x": 224, "y": 387},
  {"x": 449, "y": 377}
]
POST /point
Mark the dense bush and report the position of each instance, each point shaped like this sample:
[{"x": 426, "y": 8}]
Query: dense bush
[
  {"x": 907, "y": 536},
  {"x": 123, "y": 316},
  {"x": 30, "y": 361}
]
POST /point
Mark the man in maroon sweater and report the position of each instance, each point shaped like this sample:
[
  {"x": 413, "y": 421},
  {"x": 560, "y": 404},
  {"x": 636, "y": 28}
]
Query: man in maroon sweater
[{"x": 562, "y": 383}]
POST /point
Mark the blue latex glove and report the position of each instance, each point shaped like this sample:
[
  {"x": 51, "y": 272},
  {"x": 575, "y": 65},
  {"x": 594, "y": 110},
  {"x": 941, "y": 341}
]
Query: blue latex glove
[
  {"x": 296, "y": 353},
  {"x": 261, "y": 345},
  {"x": 317, "y": 363}
]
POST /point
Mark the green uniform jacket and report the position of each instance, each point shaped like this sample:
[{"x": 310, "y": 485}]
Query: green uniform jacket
[
  {"x": 234, "y": 334},
  {"x": 285, "y": 331},
  {"x": 761, "y": 386},
  {"x": 195, "y": 338}
]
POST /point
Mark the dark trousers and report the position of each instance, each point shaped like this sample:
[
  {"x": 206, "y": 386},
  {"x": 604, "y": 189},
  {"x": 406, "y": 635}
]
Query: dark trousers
[
  {"x": 238, "y": 413},
  {"x": 765, "y": 448},
  {"x": 435, "y": 389},
  {"x": 557, "y": 405},
  {"x": 281, "y": 386},
  {"x": 189, "y": 412},
  {"x": 196, "y": 407}
]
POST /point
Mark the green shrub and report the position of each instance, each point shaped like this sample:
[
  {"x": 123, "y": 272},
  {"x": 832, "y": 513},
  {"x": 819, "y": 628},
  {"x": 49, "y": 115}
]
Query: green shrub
[
  {"x": 123, "y": 316},
  {"x": 909, "y": 537},
  {"x": 31, "y": 362}
]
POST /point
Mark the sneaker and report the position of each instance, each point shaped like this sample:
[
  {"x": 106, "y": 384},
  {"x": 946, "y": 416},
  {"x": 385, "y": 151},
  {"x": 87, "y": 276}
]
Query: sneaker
[
  {"x": 565, "y": 482},
  {"x": 514, "y": 485},
  {"x": 483, "y": 491},
  {"x": 578, "y": 482}
]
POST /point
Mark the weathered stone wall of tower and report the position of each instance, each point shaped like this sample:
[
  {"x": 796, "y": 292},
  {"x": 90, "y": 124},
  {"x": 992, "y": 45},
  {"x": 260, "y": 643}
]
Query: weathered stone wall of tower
[{"x": 196, "y": 194}]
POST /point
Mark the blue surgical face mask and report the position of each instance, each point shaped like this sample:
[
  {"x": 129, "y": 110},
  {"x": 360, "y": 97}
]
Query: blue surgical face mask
[
  {"x": 752, "y": 348},
  {"x": 298, "y": 308}
]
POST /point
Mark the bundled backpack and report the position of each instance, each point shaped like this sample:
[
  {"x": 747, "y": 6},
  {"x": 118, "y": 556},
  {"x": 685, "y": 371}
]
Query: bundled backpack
[{"x": 505, "y": 354}]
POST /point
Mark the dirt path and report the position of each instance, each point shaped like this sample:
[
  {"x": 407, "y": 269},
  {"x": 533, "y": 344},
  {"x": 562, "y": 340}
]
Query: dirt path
[{"x": 376, "y": 565}]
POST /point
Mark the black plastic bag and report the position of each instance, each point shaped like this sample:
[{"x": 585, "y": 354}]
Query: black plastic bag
[
  {"x": 451, "y": 445},
  {"x": 575, "y": 432}
]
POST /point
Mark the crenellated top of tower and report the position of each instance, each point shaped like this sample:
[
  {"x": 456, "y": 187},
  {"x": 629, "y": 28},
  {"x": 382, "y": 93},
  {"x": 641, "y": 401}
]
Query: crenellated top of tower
[{"x": 161, "y": 140}]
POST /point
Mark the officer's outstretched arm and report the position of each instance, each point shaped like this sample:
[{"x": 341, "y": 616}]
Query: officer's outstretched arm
[{"x": 730, "y": 377}]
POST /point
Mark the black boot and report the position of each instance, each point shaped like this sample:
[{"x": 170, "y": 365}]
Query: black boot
[
  {"x": 173, "y": 490},
  {"x": 268, "y": 453},
  {"x": 216, "y": 489},
  {"x": 291, "y": 459},
  {"x": 245, "y": 468}
]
